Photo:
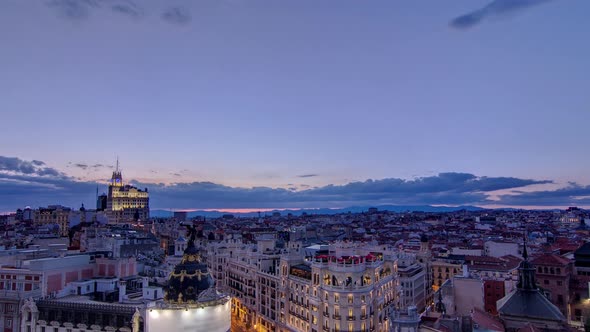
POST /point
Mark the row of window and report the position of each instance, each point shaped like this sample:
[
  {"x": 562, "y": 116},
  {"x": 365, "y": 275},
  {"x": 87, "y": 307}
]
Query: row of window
[
  {"x": 551, "y": 270},
  {"x": 547, "y": 282}
]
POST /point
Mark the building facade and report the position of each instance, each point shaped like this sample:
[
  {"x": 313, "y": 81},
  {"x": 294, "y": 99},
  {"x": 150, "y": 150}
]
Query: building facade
[
  {"x": 54, "y": 215},
  {"x": 553, "y": 275},
  {"x": 125, "y": 202},
  {"x": 349, "y": 287}
]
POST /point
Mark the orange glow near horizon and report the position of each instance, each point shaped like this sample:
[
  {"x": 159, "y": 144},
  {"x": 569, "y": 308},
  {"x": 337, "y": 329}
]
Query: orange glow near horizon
[{"x": 244, "y": 210}]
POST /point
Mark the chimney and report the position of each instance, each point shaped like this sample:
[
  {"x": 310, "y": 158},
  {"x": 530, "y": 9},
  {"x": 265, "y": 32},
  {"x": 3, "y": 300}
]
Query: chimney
[{"x": 122, "y": 290}]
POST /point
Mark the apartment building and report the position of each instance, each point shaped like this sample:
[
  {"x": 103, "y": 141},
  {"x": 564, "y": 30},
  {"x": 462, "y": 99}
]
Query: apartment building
[
  {"x": 413, "y": 281},
  {"x": 53, "y": 215},
  {"x": 553, "y": 275},
  {"x": 444, "y": 269},
  {"x": 352, "y": 287},
  {"x": 348, "y": 287}
]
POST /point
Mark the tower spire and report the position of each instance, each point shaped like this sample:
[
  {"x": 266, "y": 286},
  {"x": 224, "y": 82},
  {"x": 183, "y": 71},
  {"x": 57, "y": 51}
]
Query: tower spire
[
  {"x": 526, "y": 270},
  {"x": 525, "y": 253},
  {"x": 117, "y": 178}
]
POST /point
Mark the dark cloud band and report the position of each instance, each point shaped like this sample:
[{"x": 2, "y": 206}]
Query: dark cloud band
[{"x": 32, "y": 183}]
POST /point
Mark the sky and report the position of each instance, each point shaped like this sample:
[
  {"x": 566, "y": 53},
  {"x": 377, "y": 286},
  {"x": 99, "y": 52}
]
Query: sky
[{"x": 243, "y": 104}]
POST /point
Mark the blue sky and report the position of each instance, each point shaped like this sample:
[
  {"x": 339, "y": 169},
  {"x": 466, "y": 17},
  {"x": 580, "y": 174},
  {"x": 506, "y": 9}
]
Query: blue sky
[{"x": 246, "y": 94}]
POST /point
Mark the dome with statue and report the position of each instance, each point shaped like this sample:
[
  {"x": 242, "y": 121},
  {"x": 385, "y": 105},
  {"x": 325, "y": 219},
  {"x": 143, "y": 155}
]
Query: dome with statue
[
  {"x": 190, "y": 277},
  {"x": 191, "y": 300}
]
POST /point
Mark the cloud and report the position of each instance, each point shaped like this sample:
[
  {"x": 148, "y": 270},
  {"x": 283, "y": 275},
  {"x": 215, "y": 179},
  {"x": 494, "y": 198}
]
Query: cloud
[
  {"x": 73, "y": 9},
  {"x": 444, "y": 188},
  {"x": 33, "y": 183},
  {"x": 307, "y": 175},
  {"x": 82, "y": 166},
  {"x": 496, "y": 8},
  {"x": 83, "y": 9},
  {"x": 127, "y": 8},
  {"x": 80, "y": 10},
  {"x": 19, "y": 166},
  {"x": 177, "y": 15},
  {"x": 86, "y": 166},
  {"x": 573, "y": 194}
]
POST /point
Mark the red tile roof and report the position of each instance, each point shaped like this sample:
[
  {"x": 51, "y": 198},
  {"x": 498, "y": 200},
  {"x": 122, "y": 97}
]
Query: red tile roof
[{"x": 550, "y": 259}]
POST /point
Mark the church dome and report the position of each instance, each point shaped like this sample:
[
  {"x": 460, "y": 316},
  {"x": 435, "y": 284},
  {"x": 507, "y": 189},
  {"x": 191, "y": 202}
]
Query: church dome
[{"x": 527, "y": 303}]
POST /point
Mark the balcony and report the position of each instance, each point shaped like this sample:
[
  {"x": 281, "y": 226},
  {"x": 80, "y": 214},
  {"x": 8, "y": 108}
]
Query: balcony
[
  {"x": 292, "y": 313},
  {"x": 350, "y": 288},
  {"x": 336, "y": 316},
  {"x": 350, "y": 318}
]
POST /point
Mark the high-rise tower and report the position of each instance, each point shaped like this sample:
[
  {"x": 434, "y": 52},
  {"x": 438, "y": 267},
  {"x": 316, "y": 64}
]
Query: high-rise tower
[{"x": 125, "y": 202}]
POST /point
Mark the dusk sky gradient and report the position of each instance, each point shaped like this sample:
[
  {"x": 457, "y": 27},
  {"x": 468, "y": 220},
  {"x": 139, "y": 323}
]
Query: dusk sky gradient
[{"x": 286, "y": 96}]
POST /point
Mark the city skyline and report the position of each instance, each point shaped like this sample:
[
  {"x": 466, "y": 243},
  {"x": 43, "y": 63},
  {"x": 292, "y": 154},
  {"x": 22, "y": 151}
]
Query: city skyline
[
  {"x": 34, "y": 183},
  {"x": 247, "y": 105}
]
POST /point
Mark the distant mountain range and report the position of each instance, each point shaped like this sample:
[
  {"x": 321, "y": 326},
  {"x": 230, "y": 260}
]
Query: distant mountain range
[{"x": 297, "y": 212}]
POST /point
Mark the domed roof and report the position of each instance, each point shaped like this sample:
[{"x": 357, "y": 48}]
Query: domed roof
[
  {"x": 527, "y": 302},
  {"x": 190, "y": 277}
]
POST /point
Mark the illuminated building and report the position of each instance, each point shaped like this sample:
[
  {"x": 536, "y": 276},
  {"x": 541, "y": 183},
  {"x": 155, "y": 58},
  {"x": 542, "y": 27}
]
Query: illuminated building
[
  {"x": 126, "y": 202},
  {"x": 191, "y": 302},
  {"x": 346, "y": 287},
  {"x": 350, "y": 288}
]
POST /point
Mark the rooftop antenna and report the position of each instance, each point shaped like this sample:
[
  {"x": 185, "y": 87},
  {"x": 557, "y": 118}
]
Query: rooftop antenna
[{"x": 117, "y": 169}]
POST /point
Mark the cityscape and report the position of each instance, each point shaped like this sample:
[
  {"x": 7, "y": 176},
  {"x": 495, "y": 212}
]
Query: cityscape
[
  {"x": 115, "y": 268},
  {"x": 294, "y": 166}
]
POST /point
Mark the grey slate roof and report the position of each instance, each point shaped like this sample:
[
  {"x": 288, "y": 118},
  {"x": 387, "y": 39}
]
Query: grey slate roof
[{"x": 529, "y": 304}]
